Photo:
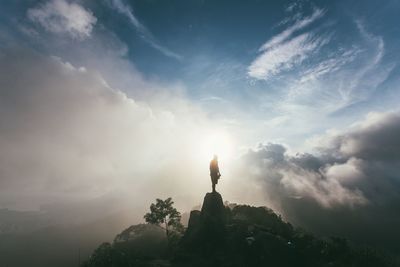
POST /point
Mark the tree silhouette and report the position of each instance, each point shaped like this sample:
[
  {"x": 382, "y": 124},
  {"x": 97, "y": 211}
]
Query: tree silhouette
[{"x": 162, "y": 213}]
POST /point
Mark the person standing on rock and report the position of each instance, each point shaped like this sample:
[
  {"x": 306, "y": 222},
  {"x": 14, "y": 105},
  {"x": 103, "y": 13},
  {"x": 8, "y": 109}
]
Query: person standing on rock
[{"x": 214, "y": 172}]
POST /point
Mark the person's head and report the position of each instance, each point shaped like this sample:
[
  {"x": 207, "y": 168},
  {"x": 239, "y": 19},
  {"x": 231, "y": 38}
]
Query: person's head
[{"x": 215, "y": 157}]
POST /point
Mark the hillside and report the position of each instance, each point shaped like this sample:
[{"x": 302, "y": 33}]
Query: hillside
[{"x": 239, "y": 235}]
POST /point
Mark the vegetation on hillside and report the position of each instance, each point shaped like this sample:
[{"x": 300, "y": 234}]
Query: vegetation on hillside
[{"x": 250, "y": 236}]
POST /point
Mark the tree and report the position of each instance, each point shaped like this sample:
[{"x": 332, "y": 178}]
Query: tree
[{"x": 163, "y": 213}]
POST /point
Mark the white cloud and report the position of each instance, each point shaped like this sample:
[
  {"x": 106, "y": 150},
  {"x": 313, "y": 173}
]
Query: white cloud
[
  {"x": 127, "y": 11},
  {"x": 298, "y": 25},
  {"x": 67, "y": 135},
  {"x": 285, "y": 56},
  {"x": 347, "y": 173},
  {"x": 339, "y": 76},
  {"x": 354, "y": 74},
  {"x": 326, "y": 190},
  {"x": 291, "y": 7},
  {"x": 282, "y": 52},
  {"x": 329, "y": 65},
  {"x": 301, "y": 176},
  {"x": 368, "y": 76},
  {"x": 60, "y": 16}
]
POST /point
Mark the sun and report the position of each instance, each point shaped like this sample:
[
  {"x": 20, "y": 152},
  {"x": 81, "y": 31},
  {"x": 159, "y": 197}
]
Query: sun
[{"x": 216, "y": 143}]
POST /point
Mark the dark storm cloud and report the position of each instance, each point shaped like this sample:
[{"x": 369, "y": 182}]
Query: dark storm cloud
[
  {"x": 375, "y": 139},
  {"x": 351, "y": 187}
]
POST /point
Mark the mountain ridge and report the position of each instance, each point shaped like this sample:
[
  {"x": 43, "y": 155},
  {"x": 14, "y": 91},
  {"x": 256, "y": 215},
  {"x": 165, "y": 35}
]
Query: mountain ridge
[{"x": 241, "y": 235}]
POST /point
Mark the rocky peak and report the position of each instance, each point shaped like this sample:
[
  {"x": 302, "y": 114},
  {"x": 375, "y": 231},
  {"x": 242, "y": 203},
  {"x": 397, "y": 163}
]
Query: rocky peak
[{"x": 213, "y": 209}]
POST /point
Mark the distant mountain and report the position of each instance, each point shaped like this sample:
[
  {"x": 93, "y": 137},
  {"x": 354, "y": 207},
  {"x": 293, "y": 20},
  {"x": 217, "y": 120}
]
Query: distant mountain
[{"x": 234, "y": 236}]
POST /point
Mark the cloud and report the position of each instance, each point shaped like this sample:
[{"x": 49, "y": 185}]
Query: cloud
[
  {"x": 339, "y": 79},
  {"x": 298, "y": 25},
  {"x": 313, "y": 76},
  {"x": 343, "y": 157},
  {"x": 148, "y": 37},
  {"x": 296, "y": 176},
  {"x": 67, "y": 136},
  {"x": 283, "y": 51},
  {"x": 330, "y": 65},
  {"x": 364, "y": 81},
  {"x": 285, "y": 56},
  {"x": 60, "y": 16},
  {"x": 352, "y": 177},
  {"x": 358, "y": 70},
  {"x": 372, "y": 139}
]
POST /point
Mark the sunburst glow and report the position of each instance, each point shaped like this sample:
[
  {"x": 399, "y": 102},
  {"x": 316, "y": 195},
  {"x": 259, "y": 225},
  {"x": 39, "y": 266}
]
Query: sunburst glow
[{"x": 216, "y": 143}]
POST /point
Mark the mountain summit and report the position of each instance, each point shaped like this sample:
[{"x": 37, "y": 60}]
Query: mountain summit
[{"x": 234, "y": 236}]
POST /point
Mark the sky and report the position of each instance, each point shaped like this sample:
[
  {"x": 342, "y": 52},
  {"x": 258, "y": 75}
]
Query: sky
[{"x": 113, "y": 103}]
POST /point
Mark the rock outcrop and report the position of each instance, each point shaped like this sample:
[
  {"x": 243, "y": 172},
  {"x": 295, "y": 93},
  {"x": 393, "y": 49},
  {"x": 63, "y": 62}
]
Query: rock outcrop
[
  {"x": 206, "y": 228},
  {"x": 213, "y": 209}
]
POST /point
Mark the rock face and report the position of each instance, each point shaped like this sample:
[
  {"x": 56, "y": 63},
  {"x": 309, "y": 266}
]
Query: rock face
[
  {"x": 194, "y": 219},
  {"x": 213, "y": 222},
  {"x": 213, "y": 209},
  {"x": 205, "y": 236}
]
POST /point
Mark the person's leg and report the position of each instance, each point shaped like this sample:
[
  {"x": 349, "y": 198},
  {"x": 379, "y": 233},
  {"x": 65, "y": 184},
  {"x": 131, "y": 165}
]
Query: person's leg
[{"x": 213, "y": 182}]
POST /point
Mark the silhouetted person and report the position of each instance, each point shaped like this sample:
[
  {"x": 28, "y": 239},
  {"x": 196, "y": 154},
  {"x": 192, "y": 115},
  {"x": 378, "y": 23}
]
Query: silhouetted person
[{"x": 214, "y": 172}]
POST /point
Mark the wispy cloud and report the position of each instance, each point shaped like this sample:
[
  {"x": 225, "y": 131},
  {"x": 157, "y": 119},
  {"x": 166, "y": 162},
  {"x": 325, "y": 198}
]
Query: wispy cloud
[
  {"x": 343, "y": 77},
  {"x": 332, "y": 64},
  {"x": 285, "y": 56},
  {"x": 147, "y": 36},
  {"x": 60, "y": 16},
  {"x": 300, "y": 24},
  {"x": 282, "y": 51},
  {"x": 313, "y": 74},
  {"x": 369, "y": 75}
]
